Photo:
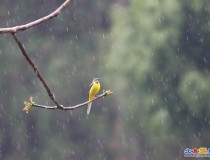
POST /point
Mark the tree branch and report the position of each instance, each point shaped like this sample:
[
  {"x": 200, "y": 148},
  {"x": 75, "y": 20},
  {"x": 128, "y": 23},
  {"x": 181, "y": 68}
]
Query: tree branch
[
  {"x": 75, "y": 106},
  {"x": 36, "y": 22},
  {"x": 30, "y": 104},
  {"x": 51, "y": 95}
]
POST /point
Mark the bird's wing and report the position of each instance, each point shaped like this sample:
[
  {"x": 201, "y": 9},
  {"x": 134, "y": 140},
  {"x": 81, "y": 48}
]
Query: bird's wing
[
  {"x": 89, "y": 88},
  {"x": 91, "y": 84}
]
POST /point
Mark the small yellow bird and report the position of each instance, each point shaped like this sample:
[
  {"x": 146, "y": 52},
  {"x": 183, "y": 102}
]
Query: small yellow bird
[{"x": 94, "y": 89}]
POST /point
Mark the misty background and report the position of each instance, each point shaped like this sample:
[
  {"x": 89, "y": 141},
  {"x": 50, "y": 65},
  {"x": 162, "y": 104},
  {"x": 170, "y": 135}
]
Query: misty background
[{"x": 153, "y": 54}]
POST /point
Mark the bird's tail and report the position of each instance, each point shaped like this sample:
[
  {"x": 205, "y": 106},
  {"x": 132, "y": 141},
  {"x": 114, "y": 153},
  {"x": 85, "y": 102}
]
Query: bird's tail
[{"x": 89, "y": 107}]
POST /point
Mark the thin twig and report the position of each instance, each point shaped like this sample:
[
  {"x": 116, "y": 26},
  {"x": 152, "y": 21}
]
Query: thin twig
[
  {"x": 72, "y": 107},
  {"x": 51, "y": 95},
  {"x": 36, "y": 22}
]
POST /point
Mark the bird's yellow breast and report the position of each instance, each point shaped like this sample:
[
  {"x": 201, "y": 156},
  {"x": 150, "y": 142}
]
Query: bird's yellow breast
[{"x": 94, "y": 90}]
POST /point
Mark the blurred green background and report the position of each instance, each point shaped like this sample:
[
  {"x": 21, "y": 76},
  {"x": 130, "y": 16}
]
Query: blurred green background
[{"x": 154, "y": 55}]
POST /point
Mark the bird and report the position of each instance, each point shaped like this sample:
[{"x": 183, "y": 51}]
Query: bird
[{"x": 94, "y": 89}]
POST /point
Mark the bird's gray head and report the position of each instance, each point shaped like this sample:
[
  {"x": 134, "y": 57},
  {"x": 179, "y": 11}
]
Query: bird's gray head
[{"x": 96, "y": 80}]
